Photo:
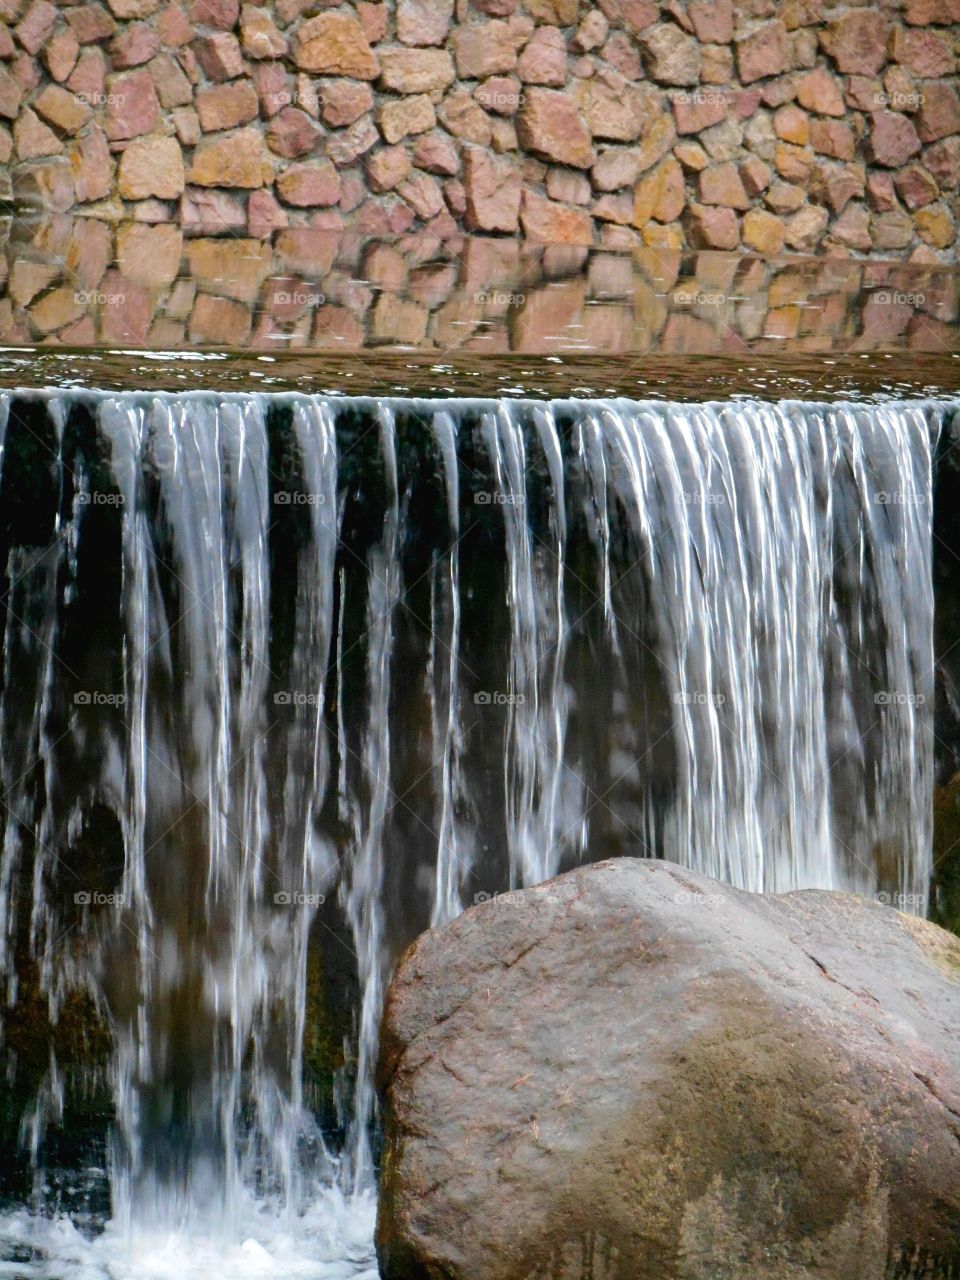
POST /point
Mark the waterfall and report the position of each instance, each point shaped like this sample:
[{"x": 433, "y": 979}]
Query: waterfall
[{"x": 288, "y": 679}]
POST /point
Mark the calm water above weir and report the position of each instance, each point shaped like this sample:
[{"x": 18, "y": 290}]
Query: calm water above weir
[{"x": 289, "y": 678}]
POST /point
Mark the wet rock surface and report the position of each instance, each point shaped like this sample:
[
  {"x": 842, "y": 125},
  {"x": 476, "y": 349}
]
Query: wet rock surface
[{"x": 635, "y": 1071}]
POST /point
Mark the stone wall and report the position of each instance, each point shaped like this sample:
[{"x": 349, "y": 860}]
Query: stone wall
[{"x": 780, "y": 127}]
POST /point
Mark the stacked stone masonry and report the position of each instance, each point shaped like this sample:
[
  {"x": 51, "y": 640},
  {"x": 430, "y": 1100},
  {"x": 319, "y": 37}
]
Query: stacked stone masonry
[{"x": 791, "y": 127}]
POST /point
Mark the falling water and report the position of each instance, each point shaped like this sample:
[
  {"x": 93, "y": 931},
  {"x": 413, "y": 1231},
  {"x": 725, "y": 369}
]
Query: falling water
[{"x": 287, "y": 680}]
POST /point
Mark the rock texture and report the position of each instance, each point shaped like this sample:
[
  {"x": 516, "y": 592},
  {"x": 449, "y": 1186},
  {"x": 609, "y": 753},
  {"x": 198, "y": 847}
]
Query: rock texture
[
  {"x": 634, "y": 1071},
  {"x": 832, "y": 100}
]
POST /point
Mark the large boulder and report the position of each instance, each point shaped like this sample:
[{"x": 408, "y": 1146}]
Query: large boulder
[{"x": 636, "y": 1073}]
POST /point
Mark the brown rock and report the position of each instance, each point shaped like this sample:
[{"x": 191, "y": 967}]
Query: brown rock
[
  {"x": 56, "y": 309},
  {"x": 292, "y": 133},
  {"x": 693, "y": 157},
  {"x": 832, "y": 138},
  {"x": 174, "y": 27},
  {"x": 783, "y": 197},
  {"x": 550, "y": 223},
  {"x": 91, "y": 166},
  {"x": 836, "y": 185},
  {"x": 465, "y": 118},
  {"x": 620, "y": 53},
  {"x": 893, "y": 139},
  {"x": 219, "y": 322},
  {"x": 805, "y": 229},
  {"x": 763, "y": 232},
  {"x": 415, "y": 70},
  {"x": 492, "y": 192},
  {"x": 36, "y": 26},
  {"x": 335, "y": 44},
  {"x": 617, "y": 209},
  {"x": 544, "y": 60},
  {"x": 423, "y": 194},
  {"x": 60, "y": 54},
  {"x": 500, "y": 94},
  {"x": 46, "y": 184},
  {"x": 660, "y": 195},
  {"x": 274, "y": 87},
  {"x": 62, "y": 109},
  {"x": 219, "y": 55},
  {"x": 696, "y": 109},
  {"x": 90, "y": 23},
  {"x": 231, "y": 267},
  {"x": 943, "y": 161},
  {"x": 592, "y": 31},
  {"x": 133, "y": 46},
  {"x": 615, "y": 110},
  {"x": 373, "y": 19},
  {"x": 222, "y": 15},
  {"x": 568, "y": 187},
  {"x": 712, "y": 20},
  {"x": 820, "y": 91},
  {"x": 915, "y": 187},
  {"x": 387, "y": 168},
  {"x": 423, "y": 22},
  {"x": 394, "y": 320},
  {"x": 616, "y": 167},
  {"x": 172, "y": 86},
  {"x": 939, "y": 113},
  {"x": 149, "y": 255},
  {"x": 721, "y": 184},
  {"x": 344, "y": 101},
  {"x": 754, "y": 174},
  {"x": 151, "y": 167},
  {"x": 928, "y": 54},
  {"x": 857, "y": 41},
  {"x": 893, "y": 230},
  {"x": 792, "y": 125},
  {"x": 765, "y": 52},
  {"x": 852, "y": 228},
  {"x": 436, "y": 153},
  {"x": 669, "y": 56},
  {"x": 259, "y": 36},
  {"x": 935, "y": 226},
  {"x": 186, "y": 124},
  {"x": 343, "y": 148},
  {"x": 483, "y": 49},
  {"x": 212, "y": 211},
  {"x": 224, "y": 106},
  {"x": 89, "y": 77},
  {"x": 32, "y": 138},
  {"x": 310, "y": 185},
  {"x": 550, "y": 126},
  {"x": 559, "y": 13},
  {"x": 881, "y": 194},
  {"x": 264, "y": 214},
  {"x": 231, "y": 160},
  {"x": 399, "y": 119}
]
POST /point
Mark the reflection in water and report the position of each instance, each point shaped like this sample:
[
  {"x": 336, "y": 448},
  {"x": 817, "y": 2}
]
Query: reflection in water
[{"x": 288, "y": 680}]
